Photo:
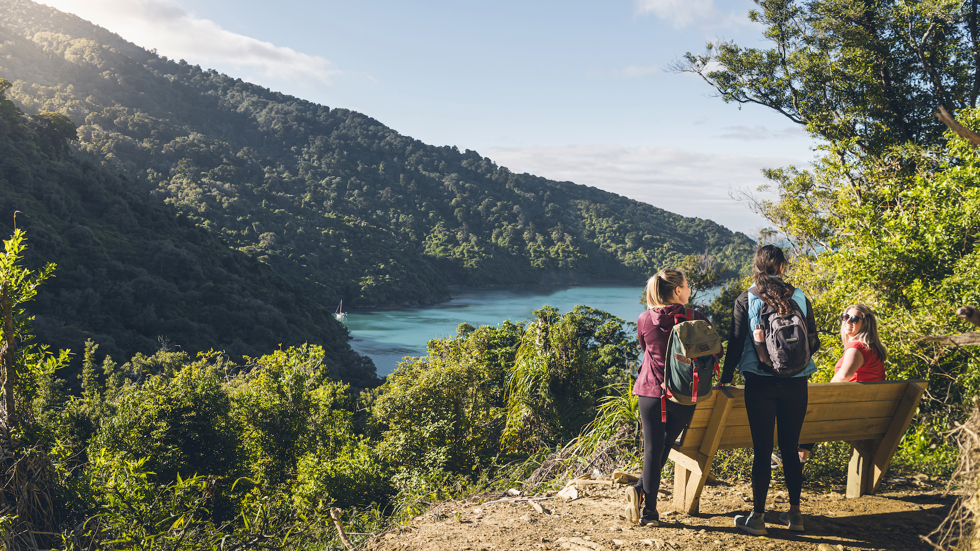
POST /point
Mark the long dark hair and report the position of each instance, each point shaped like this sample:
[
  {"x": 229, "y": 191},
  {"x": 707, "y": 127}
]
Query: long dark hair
[{"x": 770, "y": 261}]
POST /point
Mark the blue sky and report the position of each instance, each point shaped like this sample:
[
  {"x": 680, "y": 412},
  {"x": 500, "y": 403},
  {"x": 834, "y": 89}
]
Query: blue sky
[{"x": 572, "y": 90}]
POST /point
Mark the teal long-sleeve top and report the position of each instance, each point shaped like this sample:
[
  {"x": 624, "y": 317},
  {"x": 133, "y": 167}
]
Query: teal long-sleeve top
[{"x": 741, "y": 352}]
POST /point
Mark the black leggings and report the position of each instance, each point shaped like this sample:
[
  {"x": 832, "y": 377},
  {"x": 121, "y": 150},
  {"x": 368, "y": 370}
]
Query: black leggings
[
  {"x": 766, "y": 400},
  {"x": 657, "y": 438}
]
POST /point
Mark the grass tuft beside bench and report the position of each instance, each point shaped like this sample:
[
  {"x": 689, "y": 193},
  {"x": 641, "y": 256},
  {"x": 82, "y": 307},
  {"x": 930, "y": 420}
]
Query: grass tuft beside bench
[{"x": 872, "y": 416}]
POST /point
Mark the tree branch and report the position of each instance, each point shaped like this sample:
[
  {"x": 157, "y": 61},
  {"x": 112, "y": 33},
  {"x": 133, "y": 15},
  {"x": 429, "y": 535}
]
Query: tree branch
[
  {"x": 971, "y": 23},
  {"x": 963, "y": 131}
]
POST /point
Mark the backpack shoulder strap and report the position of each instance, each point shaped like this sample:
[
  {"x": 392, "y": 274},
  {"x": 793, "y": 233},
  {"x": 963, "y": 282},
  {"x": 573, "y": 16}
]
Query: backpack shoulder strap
[
  {"x": 800, "y": 299},
  {"x": 754, "y": 307},
  {"x": 683, "y": 316}
]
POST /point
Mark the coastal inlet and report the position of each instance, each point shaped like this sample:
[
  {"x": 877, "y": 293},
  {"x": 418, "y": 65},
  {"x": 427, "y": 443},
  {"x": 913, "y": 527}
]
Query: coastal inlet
[{"x": 386, "y": 336}]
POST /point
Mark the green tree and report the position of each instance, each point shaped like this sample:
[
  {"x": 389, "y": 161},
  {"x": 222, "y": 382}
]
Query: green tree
[
  {"x": 863, "y": 76},
  {"x": 702, "y": 273},
  {"x": 446, "y": 410},
  {"x": 565, "y": 364},
  {"x": 55, "y": 130},
  {"x": 23, "y": 365},
  {"x": 721, "y": 308},
  {"x": 179, "y": 422},
  {"x": 26, "y": 369},
  {"x": 289, "y": 407}
]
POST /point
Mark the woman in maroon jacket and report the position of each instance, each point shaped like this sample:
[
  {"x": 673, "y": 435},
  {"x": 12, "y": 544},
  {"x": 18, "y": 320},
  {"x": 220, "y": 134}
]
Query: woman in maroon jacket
[{"x": 666, "y": 294}]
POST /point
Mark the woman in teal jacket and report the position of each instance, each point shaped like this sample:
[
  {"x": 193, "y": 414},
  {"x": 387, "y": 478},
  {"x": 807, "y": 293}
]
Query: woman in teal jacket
[{"x": 769, "y": 398}]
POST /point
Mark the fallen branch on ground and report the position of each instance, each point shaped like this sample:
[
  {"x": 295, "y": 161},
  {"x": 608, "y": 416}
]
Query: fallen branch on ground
[{"x": 516, "y": 499}]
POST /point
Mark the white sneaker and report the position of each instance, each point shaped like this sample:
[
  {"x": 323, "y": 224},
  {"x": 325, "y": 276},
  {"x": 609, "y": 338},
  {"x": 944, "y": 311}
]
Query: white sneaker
[{"x": 632, "y": 505}]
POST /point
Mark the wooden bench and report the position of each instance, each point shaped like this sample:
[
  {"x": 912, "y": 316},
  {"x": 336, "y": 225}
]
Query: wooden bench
[{"x": 872, "y": 416}]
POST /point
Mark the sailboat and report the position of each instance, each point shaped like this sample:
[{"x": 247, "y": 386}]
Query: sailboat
[{"x": 339, "y": 313}]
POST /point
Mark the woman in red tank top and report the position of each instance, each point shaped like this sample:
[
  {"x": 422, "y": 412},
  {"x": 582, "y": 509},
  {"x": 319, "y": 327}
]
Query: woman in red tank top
[
  {"x": 864, "y": 355},
  {"x": 863, "y": 358}
]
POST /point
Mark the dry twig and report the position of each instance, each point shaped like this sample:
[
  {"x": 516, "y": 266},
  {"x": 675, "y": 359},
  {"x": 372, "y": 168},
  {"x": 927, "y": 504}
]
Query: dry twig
[{"x": 335, "y": 515}]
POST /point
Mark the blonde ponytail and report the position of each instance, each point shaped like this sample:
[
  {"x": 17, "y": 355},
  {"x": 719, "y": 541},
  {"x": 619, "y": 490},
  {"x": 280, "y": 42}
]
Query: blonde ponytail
[{"x": 660, "y": 288}]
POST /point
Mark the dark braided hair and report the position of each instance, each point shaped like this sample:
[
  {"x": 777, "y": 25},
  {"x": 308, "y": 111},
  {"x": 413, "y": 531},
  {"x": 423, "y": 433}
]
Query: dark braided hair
[{"x": 770, "y": 261}]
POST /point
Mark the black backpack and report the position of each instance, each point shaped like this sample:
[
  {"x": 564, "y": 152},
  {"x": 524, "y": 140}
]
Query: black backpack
[{"x": 786, "y": 339}]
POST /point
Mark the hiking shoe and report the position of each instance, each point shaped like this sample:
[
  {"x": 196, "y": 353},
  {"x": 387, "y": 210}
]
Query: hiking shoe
[
  {"x": 632, "y": 505},
  {"x": 650, "y": 519},
  {"x": 750, "y": 524},
  {"x": 776, "y": 460},
  {"x": 792, "y": 520}
]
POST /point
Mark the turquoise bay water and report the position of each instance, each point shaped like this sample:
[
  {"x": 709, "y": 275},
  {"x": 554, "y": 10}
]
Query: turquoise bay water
[{"x": 386, "y": 336}]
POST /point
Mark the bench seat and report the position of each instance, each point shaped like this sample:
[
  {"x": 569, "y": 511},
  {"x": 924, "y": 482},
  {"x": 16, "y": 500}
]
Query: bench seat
[{"x": 872, "y": 416}]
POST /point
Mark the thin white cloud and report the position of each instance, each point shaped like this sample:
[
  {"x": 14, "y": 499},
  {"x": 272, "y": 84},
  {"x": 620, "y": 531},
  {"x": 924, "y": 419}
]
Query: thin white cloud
[
  {"x": 701, "y": 13},
  {"x": 680, "y": 13},
  {"x": 638, "y": 71},
  {"x": 759, "y": 132},
  {"x": 174, "y": 32},
  {"x": 680, "y": 181}
]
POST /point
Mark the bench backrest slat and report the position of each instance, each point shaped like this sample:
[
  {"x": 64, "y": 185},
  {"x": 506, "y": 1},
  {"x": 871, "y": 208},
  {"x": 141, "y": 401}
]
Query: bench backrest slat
[{"x": 836, "y": 393}]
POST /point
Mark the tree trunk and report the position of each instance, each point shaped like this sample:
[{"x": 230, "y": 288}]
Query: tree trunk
[{"x": 7, "y": 359}]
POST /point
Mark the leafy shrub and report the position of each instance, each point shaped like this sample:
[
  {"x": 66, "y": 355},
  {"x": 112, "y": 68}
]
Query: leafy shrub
[
  {"x": 351, "y": 476},
  {"x": 287, "y": 407},
  {"x": 446, "y": 410},
  {"x": 181, "y": 426},
  {"x": 133, "y": 510},
  {"x": 564, "y": 365}
]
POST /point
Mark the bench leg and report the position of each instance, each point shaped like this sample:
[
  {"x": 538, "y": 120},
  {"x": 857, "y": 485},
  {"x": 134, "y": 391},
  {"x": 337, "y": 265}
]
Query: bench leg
[
  {"x": 694, "y": 486},
  {"x": 691, "y": 469},
  {"x": 885, "y": 449},
  {"x": 689, "y": 478},
  {"x": 681, "y": 478},
  {"x": 860, "y": 470}
]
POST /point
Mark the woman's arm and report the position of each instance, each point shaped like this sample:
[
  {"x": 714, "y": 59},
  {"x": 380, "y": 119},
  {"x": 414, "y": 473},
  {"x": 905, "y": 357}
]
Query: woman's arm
[
  {"x": 736, "y": 338},
  {"x": 852, "y": 361},
  {"x": 641, "y": 323},
  {"x": 641, "y": 327},
  {"x": 813, "y": 338}
]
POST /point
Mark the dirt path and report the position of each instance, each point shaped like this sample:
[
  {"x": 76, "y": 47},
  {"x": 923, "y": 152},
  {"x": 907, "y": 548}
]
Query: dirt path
[{"x": 894, "y": 519}]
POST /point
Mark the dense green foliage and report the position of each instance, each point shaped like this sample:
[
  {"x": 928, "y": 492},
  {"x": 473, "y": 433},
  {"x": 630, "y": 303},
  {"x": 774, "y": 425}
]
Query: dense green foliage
[
  {"x": 169, "y": 448},
  {"x": 194, "y": 452},
  {"x": 330, "y": 197},
  {"x": 512, "y": 388}
]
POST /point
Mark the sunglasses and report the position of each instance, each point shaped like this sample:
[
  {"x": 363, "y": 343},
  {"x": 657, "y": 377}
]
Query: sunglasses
[{"x": 851, "y": 319}]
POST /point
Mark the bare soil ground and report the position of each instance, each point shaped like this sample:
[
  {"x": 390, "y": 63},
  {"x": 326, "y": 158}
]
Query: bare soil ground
[{"x": 903, "y": 510}]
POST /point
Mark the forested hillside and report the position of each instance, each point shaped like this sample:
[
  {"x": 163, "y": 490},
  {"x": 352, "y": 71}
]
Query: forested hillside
[
  {"x": 332, "y": 199},
  {"x": 131, "y": 269}
]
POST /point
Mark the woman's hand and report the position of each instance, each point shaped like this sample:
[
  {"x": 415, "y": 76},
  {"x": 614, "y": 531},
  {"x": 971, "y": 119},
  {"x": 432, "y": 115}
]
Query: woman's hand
[{"x": 852, "y": 361}]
